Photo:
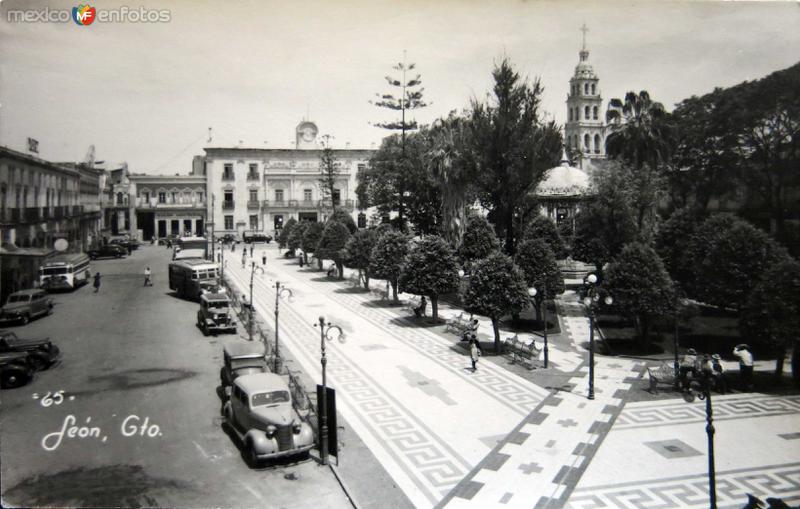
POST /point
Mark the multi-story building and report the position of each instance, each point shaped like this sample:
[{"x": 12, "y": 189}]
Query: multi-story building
[
  {"x": 257, "y": 189},
  {"x": 585, "y": 130},
  {"x": 40, "y": 203},
  {"x": 168, "y": 204}
]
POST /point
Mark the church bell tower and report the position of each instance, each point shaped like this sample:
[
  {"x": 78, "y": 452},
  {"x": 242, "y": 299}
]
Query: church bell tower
[{"x": 584, "y": 132}]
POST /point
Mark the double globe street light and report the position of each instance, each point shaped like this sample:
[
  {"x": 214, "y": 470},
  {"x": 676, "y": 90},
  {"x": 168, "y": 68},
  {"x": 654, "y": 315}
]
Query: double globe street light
[
  {"x": 253, "y": 270},
  {"x": 701, "y": 388},
  {"x": 327, "y": 332},
  {"x": 592, "y": 299},
  {"x": 281, "y": 292},
  {"x": 532, "y": 292}
]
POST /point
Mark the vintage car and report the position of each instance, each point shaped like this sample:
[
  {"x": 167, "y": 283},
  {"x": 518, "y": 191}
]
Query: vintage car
[
  {"x": 215, "y": 314},
  {"x": 260, "y": 414},
  {"x": 14, "y": 370},
  {"x": 252, "y": 237},
  {"x": 229, "y": 238},
  {"x": 127, "y": 243},
  {"x": 41, "y": 353},
  {"x": 23, "y": 305},
  {"x": 242, "y": 358},
  {"x": 107, "y": 250}
]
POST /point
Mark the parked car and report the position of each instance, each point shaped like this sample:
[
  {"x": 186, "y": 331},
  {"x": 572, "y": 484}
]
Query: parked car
[
  {"x": 242, "y": 358},
  {"x": 169, "y": 239},
  {"x": 215, "y": 314},
  {"x": 41, "y": 353},
  {"x": 261, "y": 415},
  {"x": 24, "y": 305},
  {"x": 108, "y": 250},
  {"x": 128, "y": 244},
  {"x": 14, "y": 370},
  {"x": 229, "y": 238},
  {"x": 250, "y": 237}
]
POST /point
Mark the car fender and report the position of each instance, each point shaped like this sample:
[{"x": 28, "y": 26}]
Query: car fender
[
  {"x": 305, "y": 437},
  {"x": 258, "y": 441},
  {"x": 227, "y": 411}
]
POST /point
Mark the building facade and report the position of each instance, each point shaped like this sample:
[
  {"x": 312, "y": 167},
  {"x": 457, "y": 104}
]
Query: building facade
[
  {"x": 168, "y": 205},
  {"x": 257, "y": 190},
  {"x": 585, "y": 130}
]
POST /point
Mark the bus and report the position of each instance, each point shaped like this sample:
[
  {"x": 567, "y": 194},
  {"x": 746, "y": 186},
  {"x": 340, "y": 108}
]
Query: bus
[
  {"x": 65, "y": 271},
  {"x": 190, "y": 247},
  {"x": 191, "y": 277}
]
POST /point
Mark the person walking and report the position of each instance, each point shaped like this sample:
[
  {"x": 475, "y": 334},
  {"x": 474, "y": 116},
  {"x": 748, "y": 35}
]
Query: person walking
[
  {"x": 263, "y": 258},
  {"x": 251, "y": 250},
  {"x": 244, "y": 258},
  {"x": 718, "y": 373},
  {"x": 474, "y": 352},
  {"x": 147, "y": 273},
  {"x": 742, "y": 352},
  {"x": 96, "y": 282}
]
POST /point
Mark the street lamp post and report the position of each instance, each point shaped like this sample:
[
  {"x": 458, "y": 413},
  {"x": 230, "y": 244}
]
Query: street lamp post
[
  {"x": 253, "y": 270},
  {"x": 704, "y": 384},
  {"x": 280, "y": 292},
  {"x": 591, "y": 300},
  {"x": 325, "y": 329},
  {"x": 532, "y": 292}
]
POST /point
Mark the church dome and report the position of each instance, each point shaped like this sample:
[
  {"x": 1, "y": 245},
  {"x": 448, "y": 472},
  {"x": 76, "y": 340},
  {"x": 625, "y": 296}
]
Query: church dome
[
  {"x": 563, "y": 181},
  {"x": 584, "y": 69}
]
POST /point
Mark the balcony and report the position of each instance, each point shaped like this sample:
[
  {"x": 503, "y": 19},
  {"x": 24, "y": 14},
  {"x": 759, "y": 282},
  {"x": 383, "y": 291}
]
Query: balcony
[
  {"x": 253, "y": 205},
  {"x": 274, "y": 204},
  {"x": 293, "y": 203},
  {"x": 227, "y": 177},
  {"x": 307, "y": 204},
  {"x": 227, "y": 205},
  {"x": 252, "y": 177}
]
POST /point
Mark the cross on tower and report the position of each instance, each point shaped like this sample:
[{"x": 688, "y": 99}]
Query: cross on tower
[{"x": 584, "y": 29}]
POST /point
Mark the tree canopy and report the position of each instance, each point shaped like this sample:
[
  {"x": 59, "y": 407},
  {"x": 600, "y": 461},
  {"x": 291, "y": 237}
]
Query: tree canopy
[
  {"x": 478, "y": 241},
  {"x": 431, "y": 269},
  {"x": 541, "y": 227},
  {"x": 331, "y": 244},
  {"x": 388, "y": 255},
  {"x": 358, "y": 252},
  {"x": 283, "y": 236}
]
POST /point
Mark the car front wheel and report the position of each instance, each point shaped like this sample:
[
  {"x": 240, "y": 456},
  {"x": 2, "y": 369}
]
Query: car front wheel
[
  {"x": 12, "y": 380},
  {"x": 25, "y": 319},
  {"x": 252, "y": 457}
]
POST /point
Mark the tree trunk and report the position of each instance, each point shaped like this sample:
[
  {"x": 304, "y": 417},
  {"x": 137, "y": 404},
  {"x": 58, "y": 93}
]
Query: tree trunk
[
  {"x": 434, "y": 307},
  {"x": 394, "y": 290},
  {"x": 305, "y": 257},
  {"x": 779, "y": 363},
  {"x": 340, "y": 269},
  {"x": 496, "y": 330},
  {"x": 796, "y": 363},
  {"x": 366, "y": 279},
  {"x": 319, "y": 263}
]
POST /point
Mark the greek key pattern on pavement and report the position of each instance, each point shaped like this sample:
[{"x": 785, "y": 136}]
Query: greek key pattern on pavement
[
  {"x": 425, "y": 459},
  {"x": 516, "y": 393},
  {"x": 738, "y": 406},
  {"x": 782, "y": 481}
]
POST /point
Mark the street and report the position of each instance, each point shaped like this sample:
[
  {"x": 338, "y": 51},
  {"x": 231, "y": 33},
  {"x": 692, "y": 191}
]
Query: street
[{"x": 138, "y": 423}]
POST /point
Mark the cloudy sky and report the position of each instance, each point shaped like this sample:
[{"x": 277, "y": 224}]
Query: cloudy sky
[{"x": 146, "y": 93}]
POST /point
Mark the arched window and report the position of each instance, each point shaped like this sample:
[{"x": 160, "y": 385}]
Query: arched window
[
  {"x": 593, "y": 89},
  {"x": 586, "y": 89},
  {"x": 596, "y": 143},
  {"x": 594, "y": 112},
  {"x": 575, "y": 142},
  {"x": 586, "y": 142},
  {"x": 570, "y": 114},
  {"x": 586, "y": 113}
]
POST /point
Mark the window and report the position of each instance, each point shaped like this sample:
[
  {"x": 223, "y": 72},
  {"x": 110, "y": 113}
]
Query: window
[
  {"x": 228, "y": 195},
  {"x": 279, "y": 195},
  {"x": 252, "y": 173},
  {"x": 586, "y": 89},
  {"x": 307, "y": 195},
  {"x": 253, "y": 194},
  {"x": 586, "y": 112},
  {"x": 596, "y": 143},
  {"x": 229, "y": 222},
  {"x": 199, "y": 196},
  {"x": 586, "y": 142},
  {"x": 254, "y": 222},
  {"x": 593, "y": 89},
  {"x": 594, "y": 112},
  {"x": 227, "y": 173},
  {"x": 174, "y": 197},
  {"x": 119, "y": 198},
  {"x": 162, "y": 197},
  {"x": 336, "y": 198},
  {"x": 570, "y": 114},
  {"x": 146, "y": 196}
]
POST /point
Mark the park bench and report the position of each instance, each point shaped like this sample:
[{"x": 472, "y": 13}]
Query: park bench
[
  {"x": 412, "y": 303},
  {"x": 520, "y": 351},
  {"x": 663, "y": 374},
  {"x": 354, "y": 279},
  {"x": 457, "y": 324},
  {"x": 381, "y": 292}
]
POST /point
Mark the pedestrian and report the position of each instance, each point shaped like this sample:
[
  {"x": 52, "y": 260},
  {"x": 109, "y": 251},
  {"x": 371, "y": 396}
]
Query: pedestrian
[
  {"x": 244, "y": 258},
  {"x": 475, "y": 351},
  {"x": 419, "y": 311},
  {"x": 96, "y": 282},
  {"x": 251, "y": 250},
  {"x": 301, "y": 260},
  {"x": 147, "y": 281},
  {"x": 688, "y": 367},
  {"x": 263, "y": 258},
  {"x": 233, "y": 246},
  {"x": 742, "y": 352}
]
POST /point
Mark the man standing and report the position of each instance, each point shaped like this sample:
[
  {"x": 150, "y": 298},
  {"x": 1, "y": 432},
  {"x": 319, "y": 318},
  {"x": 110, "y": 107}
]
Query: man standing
[
  {"x": 96, "y": 282},
  {"x": 745, "y": 366},
  {"x": 263, "y": 258},
  {"x": 147, "y": 281}
]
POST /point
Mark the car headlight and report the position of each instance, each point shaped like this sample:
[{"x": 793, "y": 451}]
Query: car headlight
[
  {"x": 271, "y": 430},
  {"x": 296, "y": 427}
]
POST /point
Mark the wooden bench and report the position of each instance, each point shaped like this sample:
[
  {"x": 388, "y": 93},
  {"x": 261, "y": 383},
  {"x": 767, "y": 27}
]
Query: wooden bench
[
  {"x": 663, "y": 374},
  {"x": 520, "y": 351},
  {"x": 412, "y": 303}
]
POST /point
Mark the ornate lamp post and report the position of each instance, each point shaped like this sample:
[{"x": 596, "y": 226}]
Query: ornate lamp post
[
  {"x": 253, "y": 270},
  {"x": 704, "y": 386},
  {"x": 592, "y": 300},
  {"x": 327, "y": 331},
  {"x": 532, "y": 293},
  {"x": 281, "y": 292}
]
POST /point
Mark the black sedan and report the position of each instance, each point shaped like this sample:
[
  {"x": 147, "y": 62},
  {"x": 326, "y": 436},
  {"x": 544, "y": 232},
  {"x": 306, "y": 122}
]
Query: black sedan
[
  {"x": 108, "y": 250},
  {"x": 42, "y": 353}
]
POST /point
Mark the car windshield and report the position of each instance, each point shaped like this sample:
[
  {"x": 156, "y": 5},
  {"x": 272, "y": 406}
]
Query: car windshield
[
  {"x": 19, "y": 298},
  {"x": 270, "y": 398},
  {"x": 218, "y": 304},
  {"x": 55, "y": 270}
]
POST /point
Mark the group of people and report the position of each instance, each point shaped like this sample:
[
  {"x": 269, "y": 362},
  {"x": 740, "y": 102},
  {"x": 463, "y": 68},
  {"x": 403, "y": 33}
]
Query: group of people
[
  {"x": 693, "y": 366},
  {"x": 244, "y": 256}
]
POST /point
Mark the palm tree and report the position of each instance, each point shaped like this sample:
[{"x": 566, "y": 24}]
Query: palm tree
[
  {"x": 640, "y": 131},
  {"x": 446, "y": 159}
]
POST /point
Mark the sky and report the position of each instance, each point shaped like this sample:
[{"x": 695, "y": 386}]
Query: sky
[{"x": 147, "y": 93}]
